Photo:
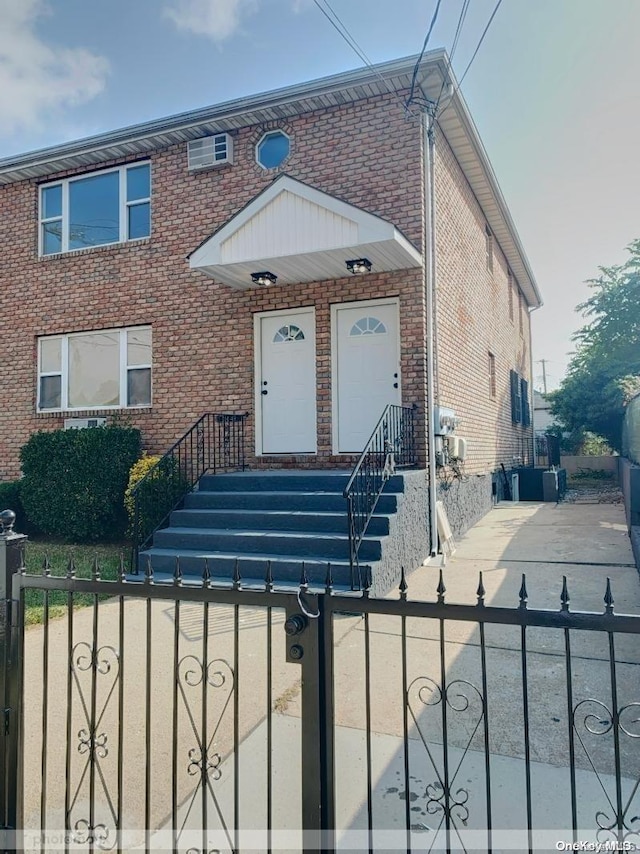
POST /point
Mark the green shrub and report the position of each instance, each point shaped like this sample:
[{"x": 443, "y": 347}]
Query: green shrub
[
  {"x": 74, "y": 481},
  {"x": 164, "y": 485},
  {"x": 10, "y": 500}
]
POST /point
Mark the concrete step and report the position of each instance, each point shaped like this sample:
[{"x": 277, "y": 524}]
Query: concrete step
[
  {"x": 253, "y": 568},
  {"x": 280, "y": 500},
  {"x": 274, "y": 520},
  {"x": 323, "y": 546},
  {"x": 286, "y": 481}
]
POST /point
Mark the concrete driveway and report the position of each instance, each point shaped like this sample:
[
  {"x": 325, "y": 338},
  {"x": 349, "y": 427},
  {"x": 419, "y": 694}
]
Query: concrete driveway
[{"x": 586, "y": 544}]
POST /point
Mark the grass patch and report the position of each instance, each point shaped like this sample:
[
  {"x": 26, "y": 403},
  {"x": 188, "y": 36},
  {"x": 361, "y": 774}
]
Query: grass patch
[
  {"x": 592, "y": 474},
  {"x": 59, "y": 555}
]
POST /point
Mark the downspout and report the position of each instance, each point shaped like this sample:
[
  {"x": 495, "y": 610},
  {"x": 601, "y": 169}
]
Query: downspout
[{"x": 429, "y": 273}]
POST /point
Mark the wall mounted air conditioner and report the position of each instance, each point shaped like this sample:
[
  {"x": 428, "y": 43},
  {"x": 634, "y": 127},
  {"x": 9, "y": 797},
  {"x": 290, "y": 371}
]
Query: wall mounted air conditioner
[
  {"x": 82, "y": 423},
  {"x": 208, "y": 151}
]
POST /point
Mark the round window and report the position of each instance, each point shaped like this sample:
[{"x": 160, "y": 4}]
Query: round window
[{"x": 273, "y": 149}]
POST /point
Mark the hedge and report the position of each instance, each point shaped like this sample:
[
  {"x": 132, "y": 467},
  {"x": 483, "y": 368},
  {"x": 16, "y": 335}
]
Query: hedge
[
  {"x": 10, "y": 500},
  {"x": 74, "y": 481}
]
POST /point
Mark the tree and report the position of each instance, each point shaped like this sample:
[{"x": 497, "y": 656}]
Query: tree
[{"x": 604, "y": 371}]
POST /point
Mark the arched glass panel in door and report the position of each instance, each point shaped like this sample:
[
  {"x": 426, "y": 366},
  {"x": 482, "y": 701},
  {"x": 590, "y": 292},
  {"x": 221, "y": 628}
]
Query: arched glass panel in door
[
  {"x": 368, "y": 326},
  {"x": 288, "y": 333}
]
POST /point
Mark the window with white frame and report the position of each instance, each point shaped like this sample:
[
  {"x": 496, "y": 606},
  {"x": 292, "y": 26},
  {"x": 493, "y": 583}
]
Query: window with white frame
[
  {"x": 104, "y": 369},
  {"x": 111, "y": 206}
]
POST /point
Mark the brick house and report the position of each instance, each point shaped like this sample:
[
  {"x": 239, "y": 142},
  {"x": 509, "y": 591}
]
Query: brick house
[{"x": 138, "y": 259}]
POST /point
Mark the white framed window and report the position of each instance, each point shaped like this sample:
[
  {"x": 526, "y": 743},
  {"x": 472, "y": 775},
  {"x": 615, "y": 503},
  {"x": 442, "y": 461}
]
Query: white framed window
[
  {"x": 110, "y": 206},
  {"x": 273, "y": 149},
  {"x": 488, "y": 245},
  {"x": 101, "y": 369}
]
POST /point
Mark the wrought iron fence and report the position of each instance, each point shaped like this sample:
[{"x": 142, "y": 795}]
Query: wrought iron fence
[
  {"x": 84, "y": 705},
  {"x": 547, "y": 450},
  {"x": 216, "y": 442},
  {"x": 391, "y": 446}
]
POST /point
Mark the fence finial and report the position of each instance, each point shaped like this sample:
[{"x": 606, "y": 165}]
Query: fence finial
[
  {"x": 304, "y": 578},
  {"x": 46, "y": 566},
  {"x": 328, "y": 582},
  {"x": 268, "y": 580},
  {"x": 237, "y": 579},
  {"x": 403, "y": 586},
  {"x": 608, "y": 598},
  {"x": 368, "y": 581},
  {"x": 95, "y": 569},
  {"x": 523, "y": 592},
  {"x": 177, "y": 572},
  {"x": 441, "y": 589},
  {"x": 122, "y": 572},
  {"x": 480, "y": 592},
  {"x": 7, "y": 521},
  {"x": 564, "y": 596},
  {"x": 206, "y": 574},
  {"x": 71, "y": 568},
  {"x": 148, "y": 571}
]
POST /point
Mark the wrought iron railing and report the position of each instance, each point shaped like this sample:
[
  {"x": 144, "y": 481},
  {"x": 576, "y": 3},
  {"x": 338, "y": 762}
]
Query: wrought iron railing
[
  {"x": 391, "y": 446},
  {"x": 216, "y": 442}
]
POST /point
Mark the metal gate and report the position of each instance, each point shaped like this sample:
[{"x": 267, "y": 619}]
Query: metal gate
[{"x": 197, "y": 716}]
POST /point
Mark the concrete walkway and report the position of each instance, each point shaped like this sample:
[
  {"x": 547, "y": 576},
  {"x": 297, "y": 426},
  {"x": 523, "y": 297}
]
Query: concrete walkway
[{"x": 587, "y": 544}]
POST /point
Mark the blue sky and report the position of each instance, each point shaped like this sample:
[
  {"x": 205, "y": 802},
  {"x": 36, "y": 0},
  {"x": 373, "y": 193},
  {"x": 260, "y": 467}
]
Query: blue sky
[{"x": 553, "y": 91}]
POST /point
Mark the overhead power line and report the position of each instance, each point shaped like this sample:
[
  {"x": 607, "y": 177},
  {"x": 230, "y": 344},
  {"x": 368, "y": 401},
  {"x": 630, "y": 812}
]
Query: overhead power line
[
  {"x": 331, "y": 15},
  {"x": 461, "y": 19},
  {"x": 484, "y": 33},
  {"x": 434, "y": 18},
  {"x": 475, "y": 53}
]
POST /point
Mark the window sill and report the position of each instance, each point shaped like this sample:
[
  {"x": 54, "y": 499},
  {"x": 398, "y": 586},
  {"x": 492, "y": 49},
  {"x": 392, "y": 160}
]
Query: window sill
[
  {"x": 103, "y": 412},
  {"x": 104, "y": 247}
]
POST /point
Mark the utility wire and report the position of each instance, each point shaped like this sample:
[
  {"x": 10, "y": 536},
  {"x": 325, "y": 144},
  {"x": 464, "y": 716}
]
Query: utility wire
[
  {"x": 343, "y": 31},
  {"x": 434, "y": 18},
  {"x": 335, "y": 21},
  {"x": 475, "y": 53},
  {"x": 454, "y": 45},
  {"x": 485, "y": 31}
]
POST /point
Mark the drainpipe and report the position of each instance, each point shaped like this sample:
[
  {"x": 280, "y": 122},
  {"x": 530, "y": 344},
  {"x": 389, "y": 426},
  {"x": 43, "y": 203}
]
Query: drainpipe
[{"x": 429, "y": 272}]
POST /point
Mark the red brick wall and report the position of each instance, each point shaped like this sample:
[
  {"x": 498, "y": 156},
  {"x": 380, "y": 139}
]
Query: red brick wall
[
  {"x": 203, "y": 331},
  {"x": 473, "y": 320},
  {"x": 367, "y": 154}
]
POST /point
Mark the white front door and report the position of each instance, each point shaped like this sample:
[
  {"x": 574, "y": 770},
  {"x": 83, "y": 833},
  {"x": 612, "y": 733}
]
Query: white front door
[
  {"x": 286, "y": 382},
  {"x": 366, "y": 370}
]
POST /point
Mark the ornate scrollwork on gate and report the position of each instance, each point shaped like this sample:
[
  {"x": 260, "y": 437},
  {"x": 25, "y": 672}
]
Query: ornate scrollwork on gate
[
  {"x": 103, "y": 665},
  {"x": 593, "y": 717},
  {"x": 203, "y": 761},
  {"x": 85, "y": 834},
  {"x": 447, "y": 802}
]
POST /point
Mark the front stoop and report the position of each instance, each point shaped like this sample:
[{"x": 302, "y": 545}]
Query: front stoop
[{"x": 284, "y": 517}]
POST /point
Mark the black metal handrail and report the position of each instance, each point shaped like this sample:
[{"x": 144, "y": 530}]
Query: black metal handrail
[
  {"x": 391, "y": 446},
  {"x": 214, "y": 443}
]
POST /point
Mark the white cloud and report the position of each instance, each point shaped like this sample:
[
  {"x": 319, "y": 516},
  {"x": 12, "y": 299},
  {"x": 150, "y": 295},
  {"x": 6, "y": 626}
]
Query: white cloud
[
  {"x": 217, "y": 19},
  {"x": 37, "y": 79}
]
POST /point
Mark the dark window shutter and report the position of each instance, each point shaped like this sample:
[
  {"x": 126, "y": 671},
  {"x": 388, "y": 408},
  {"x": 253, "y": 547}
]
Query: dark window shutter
[
  {"x": 526, "y": 411},
  {"x": 515, "y": 397}
]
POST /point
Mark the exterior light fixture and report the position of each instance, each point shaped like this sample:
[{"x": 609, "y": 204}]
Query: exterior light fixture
[
  {"x": 359, "y": 266},
  {"x": 264, "y": 279}
]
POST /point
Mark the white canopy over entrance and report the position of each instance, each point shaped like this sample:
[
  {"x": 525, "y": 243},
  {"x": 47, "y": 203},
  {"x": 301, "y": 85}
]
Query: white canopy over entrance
[{"x": 300, "y": 234}]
